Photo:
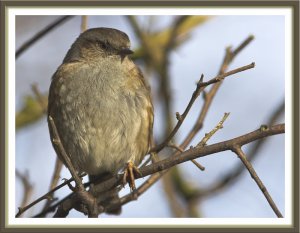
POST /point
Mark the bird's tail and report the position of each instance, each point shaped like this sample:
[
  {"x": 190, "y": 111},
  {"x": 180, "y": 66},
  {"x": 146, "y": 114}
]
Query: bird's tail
[{"x": 105, "y": 199}]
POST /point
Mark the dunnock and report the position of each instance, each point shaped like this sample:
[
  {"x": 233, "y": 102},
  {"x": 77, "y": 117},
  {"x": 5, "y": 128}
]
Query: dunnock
[{"x": 101, "y": 106}]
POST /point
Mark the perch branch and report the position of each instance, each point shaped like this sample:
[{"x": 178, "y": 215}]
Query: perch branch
[
  {"x": 160, "y": 168},
  {"x": 194, "y": 153}
]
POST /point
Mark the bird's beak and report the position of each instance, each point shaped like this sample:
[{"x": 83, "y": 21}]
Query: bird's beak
[{"x": 125, "y": 52}]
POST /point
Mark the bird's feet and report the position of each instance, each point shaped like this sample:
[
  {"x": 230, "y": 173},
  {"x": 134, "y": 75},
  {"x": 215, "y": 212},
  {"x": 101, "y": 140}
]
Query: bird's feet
[{"x": 131, "y": 171}]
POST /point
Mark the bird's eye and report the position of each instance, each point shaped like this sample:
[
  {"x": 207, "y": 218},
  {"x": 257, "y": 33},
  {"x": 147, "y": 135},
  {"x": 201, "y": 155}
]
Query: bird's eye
[{"x": 103, "y": 45}]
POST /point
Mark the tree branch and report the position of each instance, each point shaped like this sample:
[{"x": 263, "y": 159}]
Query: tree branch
[
  {"x": 28, "y": 188},
  {"x": 84, "y": 23},
  {"x": 161, "y": 167},
  {"x": 41, "y": 33},
  {"x": 209, "y": 96},
  {"x": 194, "y": 153},
  {"x": 237, "y": 150},
  {"x": 234, "y": 173},
  {"x": 83, "y": 195},
  {"x": 44, "y": 197},
  {"x": 200, "y": 87}
]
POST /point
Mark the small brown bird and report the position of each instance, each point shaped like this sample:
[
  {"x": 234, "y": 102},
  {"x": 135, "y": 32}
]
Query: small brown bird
[{"x": 101, "y": 106}]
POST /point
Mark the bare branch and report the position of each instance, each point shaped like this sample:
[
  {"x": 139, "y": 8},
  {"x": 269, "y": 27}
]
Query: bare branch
[
  {"x": 237, "y": 149},
  {"x": 84, "y": 23},
  {"x": 196, "y": 153},
  {"x": 173, "y": 35},
  {"x": 172, "y": 145},
  {"x": 162, "y": 166},
  {"x": 28, "y": 188},
  {"x": 176, "y": 207},
  {"x": 200, "y": 87},
  {"x": 84, "y": 196},
  {"x": 243, "y": 45},
  {"x": 213, "y": 131},
  {"x": 233, "y": 174},
  {"x": 54, "y": 182},
  {"x": 40, "y": 98},
  {"x": 56, "y": 140},
  {"x": 209, "y": 96},
  {"x": 41, "y": 33},
  {"x": 45, "y": 196}
]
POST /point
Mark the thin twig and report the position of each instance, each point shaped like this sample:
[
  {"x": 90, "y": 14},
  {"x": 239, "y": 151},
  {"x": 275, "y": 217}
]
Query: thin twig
[
  {"x": 54, "y": 181},
  {"x": 243, "y": 45},
  {"x": 200, "y": 87},
  {"x": 141, "y": 35},
  {"x": 208, "y": 136},
  {"x": 149, "y": 159},
  {"x": 209, "y": 96},
  {"x": 162, "y": 68},
  {"x": 195, "y": 152},
  {"x": 84, "y": 23},
  {"x": 173, "y": 35},
  {"x": 132, "y": 196},
  {"x": 239, "y": 152},
  {"x": 40, "y": 98},
  {"x": 202, "y": 168},
  {"x": 221, "y": 77},
  {"x": 177, "y": 208},
  {"x": 28, "y": 188},
  {"x": 203, "y": 141},
  {"x": 213, "y": 131},
  {"x": 41, "y": 33},
  {"x": 45, "y": 196},
  {"x": 83, "y": 195},
  {"x": 234, "y": 173},
  {"x": 56, "y": 140}
]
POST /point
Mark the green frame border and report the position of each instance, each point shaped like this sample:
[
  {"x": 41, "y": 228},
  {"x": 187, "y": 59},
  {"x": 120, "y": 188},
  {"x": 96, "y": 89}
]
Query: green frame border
[{"x": 77, "y": 3}]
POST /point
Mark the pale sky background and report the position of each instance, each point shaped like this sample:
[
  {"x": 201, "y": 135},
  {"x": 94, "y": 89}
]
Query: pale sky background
[{"x": 250, "y": 97}]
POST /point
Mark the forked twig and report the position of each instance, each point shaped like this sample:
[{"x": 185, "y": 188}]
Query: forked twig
[{"x": 200, "y": 87}]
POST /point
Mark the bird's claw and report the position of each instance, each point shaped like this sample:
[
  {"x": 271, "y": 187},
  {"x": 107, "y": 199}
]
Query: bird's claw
[{"x": 130, "y": 173}]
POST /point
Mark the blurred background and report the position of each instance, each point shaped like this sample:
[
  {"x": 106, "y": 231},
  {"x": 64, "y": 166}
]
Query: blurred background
[{"x": 252, "y": 97}]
